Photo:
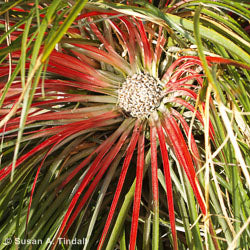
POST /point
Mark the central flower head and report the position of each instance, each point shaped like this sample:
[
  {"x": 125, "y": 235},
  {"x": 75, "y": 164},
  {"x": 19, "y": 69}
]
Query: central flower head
[{"x": 140, "y": 95}]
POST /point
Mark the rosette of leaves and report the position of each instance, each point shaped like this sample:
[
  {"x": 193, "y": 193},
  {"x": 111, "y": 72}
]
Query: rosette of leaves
[{"x": 115, "y": 130}]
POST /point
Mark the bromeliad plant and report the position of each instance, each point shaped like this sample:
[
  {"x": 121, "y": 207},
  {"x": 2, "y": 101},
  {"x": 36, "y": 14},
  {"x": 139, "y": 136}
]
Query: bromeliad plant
[{"x": 106, "y": 116}]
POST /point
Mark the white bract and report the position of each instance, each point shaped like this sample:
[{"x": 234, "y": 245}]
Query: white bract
[{"x": 140, "y": 95}]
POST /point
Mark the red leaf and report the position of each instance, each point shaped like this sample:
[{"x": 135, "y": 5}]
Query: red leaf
[
  {"x": 94, "y": 13},
  {"x": 76, "y": 75},
  {"x": 100, "y": 151},
  {"x": 103, "y": 56},
  {"x": 197, "y": 114},
  {"x": 182, "y": 154},
  {"x": 71, "y": 128},
  {"x": 180, "y": 81},
  {"x": 138, "y": 190},
  {"x": 154, "y": 167},
  {"x": 60, "y": 138},
  {"x": 104, "y": 164},
  {"x": 164, "y": 154},
  {"x": 127, "y": 41},
  {"x": 73, "y": 63},
  {"x": 130, "y": 151},
  {"x": 146, "y": 46},
  {"x": 191, "y": 61},
  {"x": 214, "y": 59},
  {"x": 186, "y": 128},
  {"x": 159, "y": 46},
  {"x": 110, "y": 49}
]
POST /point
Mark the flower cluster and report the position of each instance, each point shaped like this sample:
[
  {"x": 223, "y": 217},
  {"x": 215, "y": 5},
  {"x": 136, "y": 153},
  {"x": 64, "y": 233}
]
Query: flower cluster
[{"x": 140, "y": 95}]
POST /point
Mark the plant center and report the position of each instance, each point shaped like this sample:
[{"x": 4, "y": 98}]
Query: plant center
[{"x": 140, "y": 95}]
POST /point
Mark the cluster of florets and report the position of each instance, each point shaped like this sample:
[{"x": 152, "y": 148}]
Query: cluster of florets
[{"x": 140, "y": 95}]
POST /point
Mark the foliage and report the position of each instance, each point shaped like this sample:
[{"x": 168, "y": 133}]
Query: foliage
[{"x": 76, "y": 164}]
